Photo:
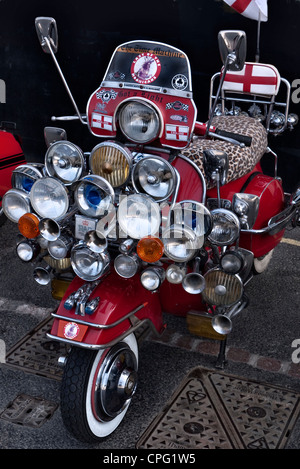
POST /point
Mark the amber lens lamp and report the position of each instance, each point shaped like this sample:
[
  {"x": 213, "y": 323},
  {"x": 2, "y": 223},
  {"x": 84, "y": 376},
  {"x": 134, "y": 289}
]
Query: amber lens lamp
[
  {"x": 150, "y": 249},
  {"x": 28, "y": 225}
]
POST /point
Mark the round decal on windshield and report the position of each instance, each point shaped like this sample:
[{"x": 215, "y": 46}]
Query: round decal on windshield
[{"x": 145, "y": 68}]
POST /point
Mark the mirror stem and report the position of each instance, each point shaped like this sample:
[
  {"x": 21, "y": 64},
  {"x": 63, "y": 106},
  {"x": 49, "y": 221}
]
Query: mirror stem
[
  {"x": 228, "y": 61},
  {"x": 64, "y": 81}
]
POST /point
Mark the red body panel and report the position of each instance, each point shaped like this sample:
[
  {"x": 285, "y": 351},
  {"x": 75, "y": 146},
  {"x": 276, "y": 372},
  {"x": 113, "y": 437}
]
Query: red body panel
[
  {"x": 11, "y": 156},
  {"x": 271, "y": 195},
  {"x": 193, "y": 190},
  {"x": 118, "y": 297}
]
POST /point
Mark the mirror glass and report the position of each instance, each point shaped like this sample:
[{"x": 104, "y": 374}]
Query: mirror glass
[
  {"x": 233, "y": 42},
  {"x": 46, "y": 28}
]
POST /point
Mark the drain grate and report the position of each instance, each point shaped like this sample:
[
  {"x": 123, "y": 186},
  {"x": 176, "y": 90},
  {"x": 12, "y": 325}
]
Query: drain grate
[
  {"x": 28, "y": 411},
  {"x": 212, "y": 410},
  {"x": 35, "y": 353}
]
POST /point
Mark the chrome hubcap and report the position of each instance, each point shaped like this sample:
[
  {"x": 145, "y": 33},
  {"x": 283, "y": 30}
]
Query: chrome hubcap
[{"x": 115, "y": 383}]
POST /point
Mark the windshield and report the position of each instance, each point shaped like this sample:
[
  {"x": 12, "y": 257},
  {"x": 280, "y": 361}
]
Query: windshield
[{"x": 150, "y": 65}]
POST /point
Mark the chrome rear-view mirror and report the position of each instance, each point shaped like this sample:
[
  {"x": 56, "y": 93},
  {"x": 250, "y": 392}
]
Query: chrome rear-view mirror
[
  {"x": 47, "y": 33},
  {"x": 233, "y": 48}
]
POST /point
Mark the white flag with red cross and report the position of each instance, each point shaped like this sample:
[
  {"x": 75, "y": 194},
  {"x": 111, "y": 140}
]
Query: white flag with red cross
[
  {"x": 253, "y": 9},
  {"x": 102, "y": 121}
]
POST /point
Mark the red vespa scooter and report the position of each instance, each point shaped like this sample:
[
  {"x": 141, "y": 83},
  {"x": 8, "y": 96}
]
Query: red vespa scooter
[{"x": 165, "y": 214}]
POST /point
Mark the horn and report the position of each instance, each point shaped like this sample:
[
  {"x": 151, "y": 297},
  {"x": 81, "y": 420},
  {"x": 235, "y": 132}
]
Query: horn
[
  {"x": 42, "y": 275},
  {"x": 95, "y": 242},
  {"x": 222, "y": 323},
  {"x": 49, "y": 229},
  {"x": 194, "y": 282}
]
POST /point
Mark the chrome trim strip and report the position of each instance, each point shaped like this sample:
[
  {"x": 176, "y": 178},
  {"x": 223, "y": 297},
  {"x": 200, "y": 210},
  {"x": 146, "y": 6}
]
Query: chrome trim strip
[
  {"x": 108, "y": 344},
  {"x": 276, "y": 223},
  {"x": 99, "y": 326},
  {"x": 149, "y": 88}
]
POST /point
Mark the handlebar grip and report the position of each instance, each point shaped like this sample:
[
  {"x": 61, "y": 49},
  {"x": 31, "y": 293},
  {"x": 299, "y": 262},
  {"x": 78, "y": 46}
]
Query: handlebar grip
[{"x": 240, "y": 138}]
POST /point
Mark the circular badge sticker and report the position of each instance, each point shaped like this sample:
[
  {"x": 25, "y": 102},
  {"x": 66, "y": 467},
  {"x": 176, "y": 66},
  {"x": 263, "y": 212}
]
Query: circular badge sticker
[
  {"x": 71, "y": 330},
  {"x": 145, "y": 68},
  {"x": 179, "y": 82}
]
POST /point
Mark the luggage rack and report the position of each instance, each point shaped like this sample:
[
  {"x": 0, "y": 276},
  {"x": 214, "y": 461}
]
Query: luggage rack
[{"x": 259, "y": 85}]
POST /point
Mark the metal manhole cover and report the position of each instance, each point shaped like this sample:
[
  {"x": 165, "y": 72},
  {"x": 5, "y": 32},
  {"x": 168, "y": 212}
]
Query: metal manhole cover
[
  {"x": 211, "y": 410},
  {"x": 36, "y": 354},
  {"x": 29, "y": 411}
]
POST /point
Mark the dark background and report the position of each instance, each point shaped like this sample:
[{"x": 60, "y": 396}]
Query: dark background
[{"x": 88, "y": 33}]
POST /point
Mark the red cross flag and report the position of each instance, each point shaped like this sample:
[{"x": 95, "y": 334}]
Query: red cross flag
[
  {"x": 253, "y": 9},
  {"x": 254, "y": 78},
  {"x": 102, "y": 121},
  {"x": 177, "y": 132}
]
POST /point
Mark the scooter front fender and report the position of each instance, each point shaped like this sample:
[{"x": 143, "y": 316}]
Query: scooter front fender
[{"x": 125, "y": 306}]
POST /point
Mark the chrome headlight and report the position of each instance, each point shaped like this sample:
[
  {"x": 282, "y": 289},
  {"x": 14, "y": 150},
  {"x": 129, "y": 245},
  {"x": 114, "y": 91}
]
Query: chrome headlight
[
  {"x": 194, "y": 215},
  {"x": 87, "y": 264},
  {"x": 60, "y": 248},
  {"x": 65, "y": 161},
  {"x": 112, "y": 161},
  {"x": 126, "y": 266},
  {"x": 94, "y": 195},
  {"x": 221, "y": 288},
  {"x": 226, "y": 227},
  {"x": 152, "y": 278},
  {"x": 180, "y": 243},
  {"x": 176, "y": 273},
  {"x": 138, "y": 216},
  {"x": 15, "y": 203},
  {"x": 27, "y": 250},
  {"x": 154, "y": 176},
  {"x": 246, "y": 207},
  {"x": 49, "y": 198},
  {"x": 24, "y": 176},
  {"x": 139, "y": 122}
]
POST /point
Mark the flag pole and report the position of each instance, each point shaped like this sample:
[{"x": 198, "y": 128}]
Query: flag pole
[{"x": 257, "y": 54}]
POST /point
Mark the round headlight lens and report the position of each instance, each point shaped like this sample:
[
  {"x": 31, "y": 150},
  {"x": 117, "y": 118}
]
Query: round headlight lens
[
  {"x": 111, "y": 161},
  {"x": 222, "y": 288},
  {"x": 27, "y": 250},
  {"x": 226, "y": 227},
  {"x": 94, "y": 196},
  {"x": 59, "y": 249},
  {"x": 180, "y": 243},
  {"x": 152, "y": 278},
  {"x": 126, "y": 266},
  {"x": 15, "y": 203},
  {"x": 154, "y": 176},
  {"x": 49, "y": 198},
  {"x": 139, "y": 122},
  {"x": 138, "y": 216},
  {"x": 175, "y": 273},
  {"x": 231, "y": 262},
  {"x": 24, "y": 176},
  {"x": 65, "y": 161},
  {"x": 87, "y": 264},
  {"x": 194, "y": 215}
]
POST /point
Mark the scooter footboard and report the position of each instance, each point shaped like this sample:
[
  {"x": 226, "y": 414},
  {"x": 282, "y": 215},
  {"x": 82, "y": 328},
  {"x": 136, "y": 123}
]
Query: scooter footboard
[{"x": 123, "y": 307}]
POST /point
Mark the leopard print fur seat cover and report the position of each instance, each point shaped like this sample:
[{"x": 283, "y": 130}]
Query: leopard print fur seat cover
[{"x": 241, "y": 160}]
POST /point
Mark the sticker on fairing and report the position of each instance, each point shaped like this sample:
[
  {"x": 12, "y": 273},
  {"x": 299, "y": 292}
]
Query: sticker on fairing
[{"x": 145, "y": 68}]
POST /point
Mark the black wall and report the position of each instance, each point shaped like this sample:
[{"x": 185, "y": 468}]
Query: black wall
[{"x": 89, "y": 31}]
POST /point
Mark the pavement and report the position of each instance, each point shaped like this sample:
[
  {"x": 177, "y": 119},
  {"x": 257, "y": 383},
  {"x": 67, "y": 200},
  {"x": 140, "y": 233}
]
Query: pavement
[{"x": 262, "y": 348}]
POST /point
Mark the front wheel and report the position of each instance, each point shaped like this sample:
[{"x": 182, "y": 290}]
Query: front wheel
[{"x": 97, "y": 388}]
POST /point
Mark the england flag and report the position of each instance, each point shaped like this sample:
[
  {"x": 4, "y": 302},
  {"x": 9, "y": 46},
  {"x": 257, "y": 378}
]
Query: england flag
[{"x": 253, "y": 9}]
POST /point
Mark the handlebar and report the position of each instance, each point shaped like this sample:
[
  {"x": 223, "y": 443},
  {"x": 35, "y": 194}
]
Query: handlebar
[{"x": 200, "y": 129}]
